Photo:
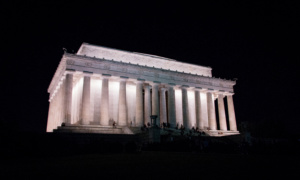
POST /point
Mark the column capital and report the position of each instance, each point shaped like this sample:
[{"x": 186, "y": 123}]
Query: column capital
[
  {"x": 228, "y": 93},
  {"x": 217, "y": 92},
  {"x": 156, "y": 82},
  {"x": 198, "y": 89},
  {"x": 147, "y": 86},
  {"x": 87, "y": 73},
  {"x": 214, "y": 92},
  {"x": 123, "y": 78},
  {"x": 184, "y": 87},
  {"x": 204, "y": 90},
  {"x": 140, "y": 80},
  {"x": 171, "y": 84},
  {"x": 105, "y": 76},
  {"x": 210, "y": 90},
  {"x": 220, "y": 95},
  {"x": 69, "y": 71},
  {"x": 163, "y": 89}
]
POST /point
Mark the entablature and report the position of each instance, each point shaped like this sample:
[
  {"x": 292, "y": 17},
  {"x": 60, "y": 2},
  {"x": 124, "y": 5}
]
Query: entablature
[{"x": 143, "y": 59}]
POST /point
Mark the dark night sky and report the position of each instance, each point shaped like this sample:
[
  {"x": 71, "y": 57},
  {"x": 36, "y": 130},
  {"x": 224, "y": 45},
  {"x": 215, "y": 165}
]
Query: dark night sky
[{"x": 255, "y": 42}]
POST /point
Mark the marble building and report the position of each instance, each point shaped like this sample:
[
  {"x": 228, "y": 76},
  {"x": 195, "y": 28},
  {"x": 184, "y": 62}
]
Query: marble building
[{"x": 100, "y": 85}]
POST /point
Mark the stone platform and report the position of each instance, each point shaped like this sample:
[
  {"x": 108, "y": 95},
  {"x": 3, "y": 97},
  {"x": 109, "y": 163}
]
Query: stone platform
[
  {"x": 93, "y": 129},
  {"x": 221, "y": 133},
  {"x": 97, "y": 129}
]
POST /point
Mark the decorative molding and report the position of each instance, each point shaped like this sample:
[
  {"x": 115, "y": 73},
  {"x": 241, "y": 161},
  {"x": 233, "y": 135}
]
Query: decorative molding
[
  {"x": 134, "y": 71},
  {"x": 106, "y": 66},
  {"x": 88, "y": 64},
  {"x": 156, "y": 75},
  {"x": 124, "y": 69},
  {"x": 141, "y": 72},
  {"x": 70, "y": 61}
]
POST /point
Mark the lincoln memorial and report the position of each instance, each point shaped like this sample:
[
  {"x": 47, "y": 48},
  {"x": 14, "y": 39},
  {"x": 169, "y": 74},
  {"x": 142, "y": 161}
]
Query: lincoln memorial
[{"x": 98, "y": 86}]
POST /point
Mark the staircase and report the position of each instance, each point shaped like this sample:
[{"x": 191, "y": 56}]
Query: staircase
[
  {"x": 92, "y": 129},
  {"x": 217, "y": 133}
]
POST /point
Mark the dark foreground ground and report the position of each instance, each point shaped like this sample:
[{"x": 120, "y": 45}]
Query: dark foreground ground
[
  {"x": 26, "y": 159},
  {"x": 152, "y": 165}
]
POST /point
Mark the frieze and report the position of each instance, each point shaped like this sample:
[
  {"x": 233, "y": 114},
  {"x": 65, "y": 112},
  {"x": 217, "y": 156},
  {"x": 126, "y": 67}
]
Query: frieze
[
  {"x": 138, "y": 71},
  {"x": 70, "y": 61},
  {"x": 205, "y": 83},
  {"x": 124, "y": 69},
  {"x": 89, "y": 64},
  {"x": 57, "y": 75},
  {"x": 141, "y": 72},
  {"x": 106, "y": 66}
]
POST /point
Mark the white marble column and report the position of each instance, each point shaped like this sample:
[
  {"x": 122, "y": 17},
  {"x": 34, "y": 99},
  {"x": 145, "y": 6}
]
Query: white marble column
[
  {"x": 222, "y": 116},
  {"x": 68, "y": 98},
  {"x": 171, "y": 106},
  {"x": 211, "y": 112},
  {"x": 155, "y": 102},
  {"x": 122, "y": 116},
  {"x": 163, "y": 106},
  {"x": 199, "y": 120},
  {"x": 86, "y": 99},
  {"x": 104, "y": 113},
  {"x": 203, "y": 111},
  {"x": 231, "y": 114},
  {"x": 50, "y": 120},
  {"x": 147, "y": 106},
  {"x": 185, "y": 108},
  {"x": 139, "y": 116}
]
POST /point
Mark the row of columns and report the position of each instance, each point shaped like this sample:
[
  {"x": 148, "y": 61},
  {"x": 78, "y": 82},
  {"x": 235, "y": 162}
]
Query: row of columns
[{"x": 157, "y": 107}]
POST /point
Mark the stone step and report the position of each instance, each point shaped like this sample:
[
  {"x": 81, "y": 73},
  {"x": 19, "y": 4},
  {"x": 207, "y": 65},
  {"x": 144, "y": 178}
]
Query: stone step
[
  {"x": 89, "y": 128},
  {"x": 220, "y": 133},
  {"x": 92, "y": 129},
  {"x": 115, "y": 131}
]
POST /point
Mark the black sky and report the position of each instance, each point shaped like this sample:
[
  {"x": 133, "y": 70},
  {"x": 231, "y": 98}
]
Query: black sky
[{"x": 256, "y": 42}]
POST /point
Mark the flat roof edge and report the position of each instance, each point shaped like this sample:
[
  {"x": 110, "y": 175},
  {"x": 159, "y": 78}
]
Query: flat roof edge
[{"x": 143, "y": 54}]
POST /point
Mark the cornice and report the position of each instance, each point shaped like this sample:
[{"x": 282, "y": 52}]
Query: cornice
[
  {"x": 92, "y": 64},
  {"x": 58, "y": 73},
  {"x": 93, "y": 59},
  {"x": 84, "y": 44}
]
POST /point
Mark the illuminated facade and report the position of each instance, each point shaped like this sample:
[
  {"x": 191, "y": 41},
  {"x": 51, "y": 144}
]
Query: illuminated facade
[{"x": 99, "y": 85}]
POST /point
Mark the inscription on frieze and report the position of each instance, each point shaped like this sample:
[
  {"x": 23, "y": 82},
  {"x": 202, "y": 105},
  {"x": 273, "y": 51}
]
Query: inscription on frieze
[
  {"x": 88, "y": 64},
  {"x": 106, "y": 66},
  {"x": 206, "y": 83},
  {"x": 70, "y": 62},
  {"x": 141, "y": 72},
  {"x": 148, "y": 72},
  {"x": 124, "y": 69}
]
